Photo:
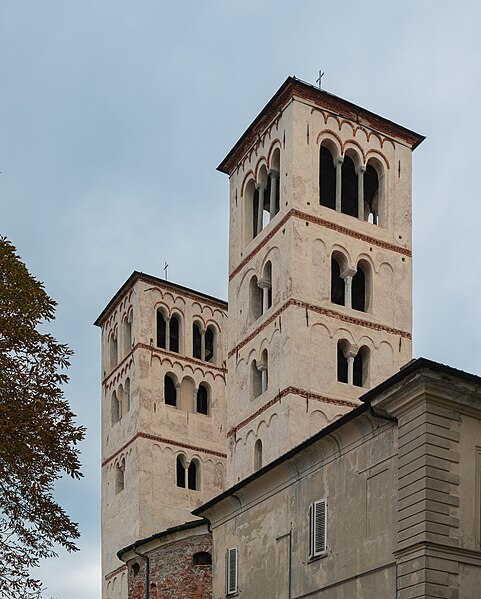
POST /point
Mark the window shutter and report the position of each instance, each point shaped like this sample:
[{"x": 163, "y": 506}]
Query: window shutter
[
  {"x": 318, "y": 528},
  {"x": 231, "y": 571}
]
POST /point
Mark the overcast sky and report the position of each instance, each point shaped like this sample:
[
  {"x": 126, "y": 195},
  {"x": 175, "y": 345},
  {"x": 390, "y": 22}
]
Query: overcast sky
[{"x": 114, "y": 115}]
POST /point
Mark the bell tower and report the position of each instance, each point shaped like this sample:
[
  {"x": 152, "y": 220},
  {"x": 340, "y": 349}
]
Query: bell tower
[{"x": 320, "y": 305}]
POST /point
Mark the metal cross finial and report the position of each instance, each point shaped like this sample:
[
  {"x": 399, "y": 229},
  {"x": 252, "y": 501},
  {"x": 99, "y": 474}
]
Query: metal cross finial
[
  {"x": 319, "y": 80},
  {"x": 166, "y": 266}
]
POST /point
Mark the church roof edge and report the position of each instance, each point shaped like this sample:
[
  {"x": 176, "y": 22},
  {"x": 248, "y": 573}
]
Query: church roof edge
[{"x": 292, "y": 87}]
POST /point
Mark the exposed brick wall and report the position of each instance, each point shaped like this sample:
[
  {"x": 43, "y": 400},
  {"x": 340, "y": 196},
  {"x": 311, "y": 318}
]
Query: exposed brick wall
[{"x": 172, "y": 573}]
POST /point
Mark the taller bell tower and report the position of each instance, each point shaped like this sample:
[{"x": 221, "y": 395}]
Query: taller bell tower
[{"x": 320, "y": 271}]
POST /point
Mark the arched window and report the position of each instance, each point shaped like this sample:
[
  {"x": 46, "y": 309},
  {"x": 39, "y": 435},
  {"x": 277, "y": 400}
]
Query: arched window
[
  {"x": 371, "y": 195},
  {"x": 127, "y": 334},
  {"x": 338, "y": 294},
  {"x": 274, "y": 184},
  {"x": 180, "y": 471},
  {"x": 360, "y": 367},
  {"x": 255, "y": 211},
  {"x": 359, "y": 290},
  {"x": 202, "y": 558},
  {"x": 115, "y": 408},
  {"x": 327, "y": 179},
  {"x": 210, "y": 344},
  {"x": 349, "y": 187},
  {"x": 193, "y": 475},
  {"x": 114, "y": 357},
  {"x": 256, "y": 380},
  {"x": 342, "y": 364},
  {"x": 196, "y": 341},
  {"x": 127, "y": 395},
  {"x": 161, "y": 327},
  {"x": 255, "y": 299},
  {"x": 264, "y": 368},
  {"x": 170, "y": 391},
  {"x": 267, "y": 287},
  {"x": 258, "y": 455},
  {"x": 202, "y": 406},
  {"x": 120, "y": 477},
  {"x": 174, "y": 333}
]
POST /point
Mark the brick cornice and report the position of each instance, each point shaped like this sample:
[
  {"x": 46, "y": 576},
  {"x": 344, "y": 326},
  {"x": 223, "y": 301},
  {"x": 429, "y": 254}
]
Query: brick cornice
[
  {"x": 291, "y": 391},
  {"x": 326, "y": 312},
  {"x": 160, "y": 439},
  {"x": 294, "y": 213}
]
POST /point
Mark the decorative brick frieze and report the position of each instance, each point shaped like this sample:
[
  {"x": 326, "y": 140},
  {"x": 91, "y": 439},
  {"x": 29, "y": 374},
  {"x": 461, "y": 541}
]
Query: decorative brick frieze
[
  {"x": 291, "y": 391},
  {"x": 167, "y": 442},
  {"x": 115, "y": 572},
  {"x": 293, "y": 213},
  {"x": 324, "y": 311}
]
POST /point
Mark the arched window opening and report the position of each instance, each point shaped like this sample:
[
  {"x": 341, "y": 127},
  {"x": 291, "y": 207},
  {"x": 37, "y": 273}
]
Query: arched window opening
[
  {"x": 258, "y": 455},
  {"x": 371, "y": 195},
  {"x": 180, "y": 471},
  {"x": 264, "y": 368},
  {"x": 359, "y": 290},
  {"x": 120, "y": 477},
  {"x": 342, "y": 364},
  {"x": 127, "y": 395},
  {"x": 266, "y": 285},
  {"x": 256, "y": 380},
  {"x": 327, "y": 179},
  {"x": 114, "y": 357},
  {"x": 202, "y": 558},
  {"x": 266, "y": 214},
  {"x": 349, "y": 188},
  {"x": 360, "y": 367},
  {"x": 192, "y": 476},
  {"x": 170, "y": 391},
  {"x": 255, "y": 210},
  {"x": 338, "y": 294},
  {"x": 161, "y": 327},
  {"x": 115, "y": 408},
  {"x": 255, "y": 296},
  {"x": 174, "y": 334},
  {"x": 127, "y": 334},
  {"x": 135, "y": 568},
  {"x": 202, "y": 406},
  {"x": 274, "y": 179},
  {"x": 209, "y": 344},
  {"x": 196, "y": 341}
]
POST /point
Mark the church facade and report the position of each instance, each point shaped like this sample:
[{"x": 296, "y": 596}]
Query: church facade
[{"x": 289, "y": 451}]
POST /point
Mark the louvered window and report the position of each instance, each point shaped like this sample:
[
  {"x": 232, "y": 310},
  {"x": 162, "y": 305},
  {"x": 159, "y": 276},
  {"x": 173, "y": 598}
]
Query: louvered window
[
  {"x": 231, "y": 571},
  {"x": 318, "y": 528}
]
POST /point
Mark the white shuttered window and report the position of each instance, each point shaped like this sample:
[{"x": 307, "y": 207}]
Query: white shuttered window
[
  {"x": 231, "y": 571},
  {"x": 318, "y": 528}
]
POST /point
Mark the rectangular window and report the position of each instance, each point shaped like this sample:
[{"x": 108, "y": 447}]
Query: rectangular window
[
  {"x": 231, "y": 571},
  {"x": 318, "y": 528}
]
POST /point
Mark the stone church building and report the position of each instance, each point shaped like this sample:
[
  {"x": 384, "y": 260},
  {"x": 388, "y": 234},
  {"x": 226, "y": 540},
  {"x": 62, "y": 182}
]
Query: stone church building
[{"x": 286, "y": 445}]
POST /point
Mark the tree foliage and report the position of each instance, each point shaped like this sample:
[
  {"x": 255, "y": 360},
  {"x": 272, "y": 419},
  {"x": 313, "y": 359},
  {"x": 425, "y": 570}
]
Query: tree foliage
[{"x": 38, "y": 435}]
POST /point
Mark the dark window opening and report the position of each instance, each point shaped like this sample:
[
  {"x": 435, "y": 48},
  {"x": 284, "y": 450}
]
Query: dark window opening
[
  {"x": 170, "y": 392},
  {"x": 337, "y": 284},
  {"x": 202, "y": 558},
  {"x": 202, "y": 400},
  {"x": 160, "y": 329},
  {"x": 174, "y": 334},
  {"x": 359, "y": 290},
  {"x": 341, "y": 365},
  {"x": 256, "y": 380},
  {"x": 258, "y": 455},
  {"x": 180, "y": 472},
  {"x": 255, "y": 209},
  {"x": 358, "y": 370},
  {"x": 371, "y": 195},
  {"x": 197, "y": 342},
  {"x": 349, "y": 201},
  {"x": 327, "y": 179},
  {"x": 135, "y": 569},
  {"x": 278, "y": 193},
  {"x": 192, "y": 476},
  {"x": 209, "y": 344},
  {"x": 255, "y": 299}
]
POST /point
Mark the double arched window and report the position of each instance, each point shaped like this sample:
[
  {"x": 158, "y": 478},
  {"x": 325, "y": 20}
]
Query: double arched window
[
  {"x": 352, "y": 364},
  {"x": 348, "y": 186},
  {"x": 259, "y": 375},
  {"x": 262, "y": 198},
  {"x": 187, "y": 475},
  {"x": 204, "y": 343},
  {"x": 349, "y": 287},
  {"x": 120, "y": 402},
  {"x": 260, "y": 293},
  {"x": 168, "y": 331}
]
